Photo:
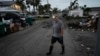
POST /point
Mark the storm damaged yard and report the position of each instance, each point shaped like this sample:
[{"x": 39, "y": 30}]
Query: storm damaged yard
[{"x": 86, "y": 41}]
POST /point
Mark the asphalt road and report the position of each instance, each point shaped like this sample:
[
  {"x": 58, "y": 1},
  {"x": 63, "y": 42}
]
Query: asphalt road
[{"x": 35, "y": 41}]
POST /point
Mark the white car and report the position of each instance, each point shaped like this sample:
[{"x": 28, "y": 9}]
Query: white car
[{"x": 46, "y": 15}]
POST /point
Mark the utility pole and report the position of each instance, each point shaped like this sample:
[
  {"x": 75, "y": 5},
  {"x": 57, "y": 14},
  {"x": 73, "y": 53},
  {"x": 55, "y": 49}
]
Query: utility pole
[
  {"x": 48, "y": 7},
  {"x": 97, "y": 53},
  {"x": 47, "y": 1},
  {"x": 34, "y": 1},
  {"x": 70, "y": 0}
]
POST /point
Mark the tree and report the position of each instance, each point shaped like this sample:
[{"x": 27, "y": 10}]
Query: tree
[
  {"x": 85, "y": 6},
  {"x": 37, "y": 4},
  {"x": 33, "y": 3},
  {"x": 47, "y": 8},
  {"x": 28, "y": 4},
  {"x": 72, "y": 4},
  {"x": 86, "y": 10},
  {"x": 55, "y": 10},
  {"x": 76, "y": 6},
  {"x": 41, "y": 9}
]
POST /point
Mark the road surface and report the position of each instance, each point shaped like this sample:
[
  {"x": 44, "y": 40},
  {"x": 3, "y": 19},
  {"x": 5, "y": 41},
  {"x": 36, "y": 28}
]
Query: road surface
[{"x": 35, "y": 41}]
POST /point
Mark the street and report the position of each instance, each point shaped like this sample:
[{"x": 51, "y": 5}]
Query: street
[
  {"x": 27, "y": 27},
  {"x": 35, "y": 41}
]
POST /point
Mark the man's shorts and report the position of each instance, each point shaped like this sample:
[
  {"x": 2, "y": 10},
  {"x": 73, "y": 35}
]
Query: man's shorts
[{"x": 59, "y": 39}]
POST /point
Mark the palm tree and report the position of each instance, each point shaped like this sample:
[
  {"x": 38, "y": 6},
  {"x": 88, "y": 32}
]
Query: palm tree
[
  {"x": 47, "y": 7},
  {"x": 55, "y": 10},
  {"x": 28, "y": 4},
  {"x": 33, "y": 3},
  {"x": 37, "y": 4},
  {"x": 41, "y": 9},
  {"x": 85, "y": 6},
  {"x": 86, "y": 10},
  {"x": 72, "y": 4}
]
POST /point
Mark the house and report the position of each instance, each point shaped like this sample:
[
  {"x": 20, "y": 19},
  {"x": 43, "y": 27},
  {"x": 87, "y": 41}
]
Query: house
[
  {"x": 9, "y": 12},
  {"x": 7, "y": 9},
  {"x": 9, "y": 6},
  {"x": 6, "y": 3},
  {"x": 94, "y": 10},
  {"x": 80, "y": 12},
  {"x": 76, "y": 12}
]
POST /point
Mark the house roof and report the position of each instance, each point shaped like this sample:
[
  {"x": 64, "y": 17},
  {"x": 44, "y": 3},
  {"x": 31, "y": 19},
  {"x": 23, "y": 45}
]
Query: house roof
[
  {"x": 6, "y": 3},
  {"x": 7, "y": 9}
]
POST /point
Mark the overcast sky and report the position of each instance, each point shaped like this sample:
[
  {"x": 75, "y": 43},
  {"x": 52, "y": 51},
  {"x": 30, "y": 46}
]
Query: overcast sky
[{"x": 61, "y": 4}]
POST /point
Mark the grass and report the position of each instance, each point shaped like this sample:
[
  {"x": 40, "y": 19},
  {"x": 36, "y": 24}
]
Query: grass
[{"x": 41, "y": 18}]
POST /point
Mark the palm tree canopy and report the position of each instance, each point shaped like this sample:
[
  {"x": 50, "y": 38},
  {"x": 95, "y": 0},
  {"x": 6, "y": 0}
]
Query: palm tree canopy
[{"x": 37, "y": 2}]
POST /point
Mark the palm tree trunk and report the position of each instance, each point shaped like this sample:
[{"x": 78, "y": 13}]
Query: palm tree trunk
[
  {"x": 34, "y": 8},
  {"x": 29, "y": 9},
  {"x": 37, "y": 9},
  {"x": 47, "y": 2},
  {"x": 97, "y": 52}
]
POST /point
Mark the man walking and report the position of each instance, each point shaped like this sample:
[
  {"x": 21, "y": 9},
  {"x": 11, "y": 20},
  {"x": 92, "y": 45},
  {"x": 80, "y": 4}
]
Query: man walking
[{"x": 58, "y": 30}]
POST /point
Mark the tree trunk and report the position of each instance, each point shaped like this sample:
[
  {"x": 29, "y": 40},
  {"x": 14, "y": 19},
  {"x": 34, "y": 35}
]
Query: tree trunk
[
  {"x": 29, "y": 9},
  {"x": 33, "y": 8},
  {"x": 37, "y": 9}
]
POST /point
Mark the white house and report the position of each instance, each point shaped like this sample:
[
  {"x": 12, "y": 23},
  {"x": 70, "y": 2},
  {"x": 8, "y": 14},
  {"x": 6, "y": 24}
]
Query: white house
[{"x": 76, "y": 12}]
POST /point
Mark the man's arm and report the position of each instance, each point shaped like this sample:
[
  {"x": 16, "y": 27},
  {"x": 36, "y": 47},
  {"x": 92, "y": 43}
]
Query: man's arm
[
  {"x": 62, "y": 31},
  {"x": 62, "y": 28}
]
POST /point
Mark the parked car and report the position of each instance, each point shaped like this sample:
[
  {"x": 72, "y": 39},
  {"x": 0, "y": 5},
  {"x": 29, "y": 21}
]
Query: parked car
[{"x": 46, "y": 15}]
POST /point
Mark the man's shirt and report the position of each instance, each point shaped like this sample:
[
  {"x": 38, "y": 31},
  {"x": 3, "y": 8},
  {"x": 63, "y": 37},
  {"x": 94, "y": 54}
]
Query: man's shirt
[{"x": 57, "y": 28}]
